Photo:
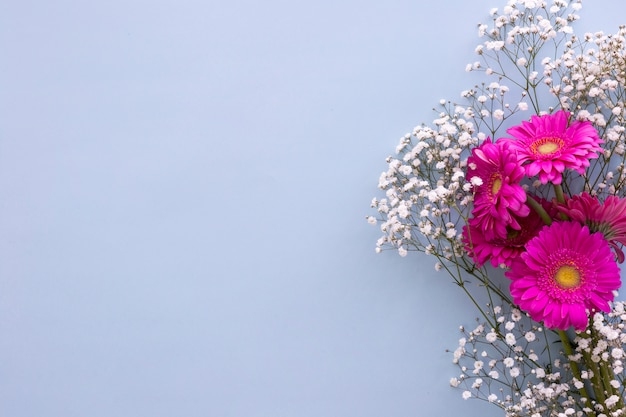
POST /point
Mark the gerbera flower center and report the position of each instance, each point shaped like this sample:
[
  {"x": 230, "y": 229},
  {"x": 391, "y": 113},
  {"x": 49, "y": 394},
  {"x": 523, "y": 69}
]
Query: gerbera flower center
[
  {"x": 512, "y": 233},
  {"x": 496, "y": 184},
  {"x": 567, "y": 276},
  {"x": 547, "y": 146}
]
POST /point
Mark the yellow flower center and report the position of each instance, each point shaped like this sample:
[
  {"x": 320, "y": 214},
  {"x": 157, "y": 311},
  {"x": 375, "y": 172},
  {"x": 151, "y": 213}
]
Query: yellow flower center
[
  {"x": 547, "y": 146},
  {"x": 567, "y": 276},
  {"x": 496, "y": 185}
]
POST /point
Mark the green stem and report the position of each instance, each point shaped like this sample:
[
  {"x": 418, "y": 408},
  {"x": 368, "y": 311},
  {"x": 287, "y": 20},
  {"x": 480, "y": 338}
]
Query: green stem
[
  {"x": 606, "y": 379},
  {"x": 569, "y": 352},
  {"x": 607, "y": 375},
  {"x": 560, "y": 197},
  {"x": 596, "y": 380},
  {"x": 535, "y": 205},
  {"x": 558, "y": 190}
]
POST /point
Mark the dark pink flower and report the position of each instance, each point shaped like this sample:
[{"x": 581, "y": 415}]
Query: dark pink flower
[
  {"x": 565, "y": 275},
  {"x": 547, "y": 145},
  {"x": 502, "y": 251},
  {"x": 499, "y": 197},
  {"x": 608, "y": 218}
]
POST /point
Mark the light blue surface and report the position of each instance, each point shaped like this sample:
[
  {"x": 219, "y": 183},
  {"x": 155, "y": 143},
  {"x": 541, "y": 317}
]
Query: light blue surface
[{"x": 183, "y": 186}]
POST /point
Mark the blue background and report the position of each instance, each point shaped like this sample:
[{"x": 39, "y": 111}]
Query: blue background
[{"x": 183, "y": 192}]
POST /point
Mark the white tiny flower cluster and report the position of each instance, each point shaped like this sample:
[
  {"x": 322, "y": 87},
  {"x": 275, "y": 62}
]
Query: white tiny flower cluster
[
  {"x": 526, "y": 24},
  {"x": 519, "y": 32},
  {"x": 425, "y": 199},
  {"x": 605, "y": 343},
  {"x": 508, "y": 365},
  {"x": 589, "y": 78},
  {"x": 501, "y": 364}
]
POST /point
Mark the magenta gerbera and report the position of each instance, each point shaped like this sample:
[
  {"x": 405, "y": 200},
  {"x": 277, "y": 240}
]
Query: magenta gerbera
[
  {"x": 608, "y": 218},
  {"x": 498, "y": 196},
  {"x": 502, "y": 251},
  {"x": 566, "y": 273},
  {"x": 547, "y": 145}
]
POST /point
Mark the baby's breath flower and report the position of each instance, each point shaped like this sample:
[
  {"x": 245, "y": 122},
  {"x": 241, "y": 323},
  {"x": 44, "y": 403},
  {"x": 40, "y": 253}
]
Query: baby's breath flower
[{"x": 510, "y": 339}]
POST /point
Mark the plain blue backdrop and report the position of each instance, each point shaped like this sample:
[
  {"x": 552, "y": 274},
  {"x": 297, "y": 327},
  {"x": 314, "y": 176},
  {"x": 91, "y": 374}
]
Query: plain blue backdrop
[{"x": 183, "y": 192}]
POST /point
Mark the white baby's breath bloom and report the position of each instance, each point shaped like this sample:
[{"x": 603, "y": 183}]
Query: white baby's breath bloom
[
  {"x": 494, "y": 45},
  {"x": 477, "y": 383},
  {"x": 466, "y": 395},
  {"x": 611, "y": 401},
  {"x": 516, "y": 315},
  {"x": 510, "y": 339},
  {"x": 617, "y": 353},
  {"x": 540, "y": 373}
]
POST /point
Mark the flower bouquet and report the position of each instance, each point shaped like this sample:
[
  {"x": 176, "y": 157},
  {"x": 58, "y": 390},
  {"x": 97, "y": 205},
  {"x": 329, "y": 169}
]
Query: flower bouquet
[{"x": 519, "y": 191}]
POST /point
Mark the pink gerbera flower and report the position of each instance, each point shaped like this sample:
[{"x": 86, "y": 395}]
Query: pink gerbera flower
[
  {"x": 499, "y": 197},
  {"x": 566, "y": 273},
  {"x": 608, "y": 218},
  {"x": 547, "y": 145},
  {"x": 502, "y": 251}
]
